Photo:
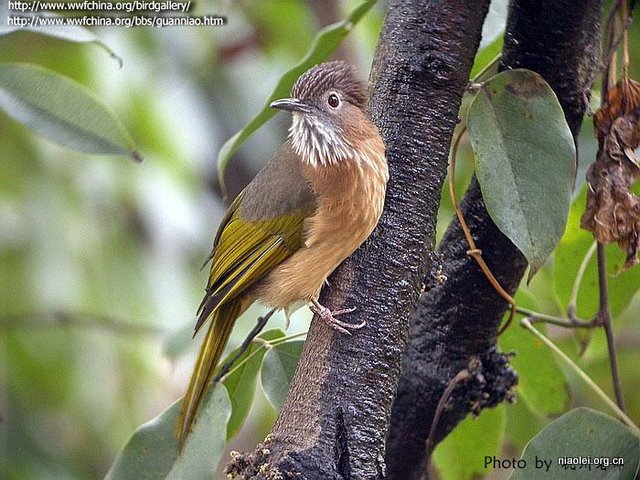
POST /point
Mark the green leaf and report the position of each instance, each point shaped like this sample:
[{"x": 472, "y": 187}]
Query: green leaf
[
  {"x": 567, "y": 259},
  {"x": 461, "y": 455},
  {"x": 541, "y": 384},
  {"x": 487, "y": 59},
  {"x": 583, "y": 434},
  {"x": 522, "y": 424},
  {"x": 151, "y": 452},
  {"x": 324, "y": 44},
  {"x": 525, "y": 160},
  {"x": 277, "y": 371},
  {"x": 62, "y": 110},
  {"x": 241, "y": 381},
  {"x": 69, "y": 33},
  {"x": 275, "y": 17}
]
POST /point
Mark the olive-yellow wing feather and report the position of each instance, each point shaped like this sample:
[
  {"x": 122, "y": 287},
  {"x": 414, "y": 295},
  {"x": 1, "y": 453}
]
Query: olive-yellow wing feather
[
  {"x": 262, "y": 228},
  {"x": 244, "y": 253}
]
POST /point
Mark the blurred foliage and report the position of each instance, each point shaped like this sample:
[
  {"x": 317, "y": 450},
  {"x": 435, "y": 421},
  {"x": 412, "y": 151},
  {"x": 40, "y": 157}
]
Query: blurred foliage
[
  {"x": 100, "y": 257},
  {"x": 62, "y": 110}
]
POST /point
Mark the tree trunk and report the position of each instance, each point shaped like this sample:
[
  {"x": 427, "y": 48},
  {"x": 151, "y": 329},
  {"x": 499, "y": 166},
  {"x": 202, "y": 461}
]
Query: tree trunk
[
  {"x": 456, "y": 323},
  {"x": 334, "y": 421}
]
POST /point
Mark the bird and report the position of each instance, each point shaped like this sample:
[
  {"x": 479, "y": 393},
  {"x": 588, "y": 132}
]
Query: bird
[{"x": 310, "y": 207}]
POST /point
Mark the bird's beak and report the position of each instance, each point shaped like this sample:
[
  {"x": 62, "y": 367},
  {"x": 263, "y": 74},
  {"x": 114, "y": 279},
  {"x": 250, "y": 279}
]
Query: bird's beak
[{"x": 291, "y": 105}]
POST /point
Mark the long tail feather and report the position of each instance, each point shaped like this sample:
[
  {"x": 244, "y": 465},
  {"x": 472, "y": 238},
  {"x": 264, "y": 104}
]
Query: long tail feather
[{"x": 222, "y": 322}]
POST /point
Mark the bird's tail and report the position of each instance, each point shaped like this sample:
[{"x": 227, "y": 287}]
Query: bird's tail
[{"x": 222, "y": 322}]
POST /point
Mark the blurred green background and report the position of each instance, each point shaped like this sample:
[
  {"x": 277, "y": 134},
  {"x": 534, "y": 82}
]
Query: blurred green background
[{"x": 100, "y": 257}]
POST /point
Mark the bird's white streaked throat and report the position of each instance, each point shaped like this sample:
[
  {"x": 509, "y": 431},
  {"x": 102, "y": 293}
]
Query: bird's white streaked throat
[{"x": 319, "y": 143}]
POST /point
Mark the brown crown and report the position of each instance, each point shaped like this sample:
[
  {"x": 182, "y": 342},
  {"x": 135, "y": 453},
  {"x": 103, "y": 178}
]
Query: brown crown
[{"x": 337, "y": 75}]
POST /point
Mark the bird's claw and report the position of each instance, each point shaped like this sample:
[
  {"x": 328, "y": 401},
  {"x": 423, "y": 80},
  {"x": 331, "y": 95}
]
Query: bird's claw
[{"x": 330, "y": 319}]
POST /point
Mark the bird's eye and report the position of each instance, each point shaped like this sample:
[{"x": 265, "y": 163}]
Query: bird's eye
[{"x": 333, "y": 100}]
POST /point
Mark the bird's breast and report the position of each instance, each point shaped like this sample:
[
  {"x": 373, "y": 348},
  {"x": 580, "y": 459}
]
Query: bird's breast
[{"x": 350, "y": 201}]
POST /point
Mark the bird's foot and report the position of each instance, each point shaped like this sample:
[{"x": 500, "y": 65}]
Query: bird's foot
[{"x": 330, "y": 319}]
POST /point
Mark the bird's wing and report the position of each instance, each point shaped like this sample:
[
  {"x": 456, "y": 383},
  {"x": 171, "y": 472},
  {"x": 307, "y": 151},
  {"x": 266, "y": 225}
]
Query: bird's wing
[
  {"x": 262, "y": 228},
  {"x": 245, "y": 251}
]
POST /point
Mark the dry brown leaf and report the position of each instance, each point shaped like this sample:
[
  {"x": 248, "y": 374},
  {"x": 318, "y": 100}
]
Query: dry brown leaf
[{"x": 613, "y": 211}]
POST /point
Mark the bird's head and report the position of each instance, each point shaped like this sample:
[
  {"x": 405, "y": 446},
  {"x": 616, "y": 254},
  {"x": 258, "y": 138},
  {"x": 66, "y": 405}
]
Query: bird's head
[{"x": 328, "y": 107}]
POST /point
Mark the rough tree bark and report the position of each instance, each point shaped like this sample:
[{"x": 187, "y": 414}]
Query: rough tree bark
[
  {"x": 334, "y": 421},
  {"x": 457, "y": 321}
]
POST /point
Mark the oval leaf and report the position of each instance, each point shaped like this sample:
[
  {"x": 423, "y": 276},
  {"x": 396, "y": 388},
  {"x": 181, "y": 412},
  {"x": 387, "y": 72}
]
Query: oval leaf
[
  {"x": 324, "y": 44},
  {"x": 62, "y": 110},
  {"x": 151, "y": 452},
  {"x": 69, "y": 33},
  {"x": 580, "y": 435},
  {"x": 241, "y": 381},
  {"x": 277, "y": 371},
  {"x": 525, "y": 160}
]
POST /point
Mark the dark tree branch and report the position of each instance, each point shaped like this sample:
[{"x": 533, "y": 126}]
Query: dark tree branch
[
  {"x": 459, "y": 319},
  {"x": 334, "y": 421}
]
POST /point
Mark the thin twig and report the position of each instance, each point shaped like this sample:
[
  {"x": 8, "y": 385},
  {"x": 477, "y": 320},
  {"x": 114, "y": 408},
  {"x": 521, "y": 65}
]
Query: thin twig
[
  {"x": 260, "y": 323},
  {"x": 482, "y": 74},
  {"x": 461, "y": 376},
  {"x": 526, "y": 323},
  {"x": 604, "y": 313},
  {"x": 573, "y": 300},
  {"x": 474, "y": 251},
  {"x": 609, "y": 23},
  {"x": 570, "y": 322},
  {"x": 604, "y": 67},
  {"x": 64, "y": 318},
  {"x": 604, "y": 318},
  {"x": 612, "y": 42},
  {"x": 263, "y": 344},
  {"x": 608, "y": 76},
  {"x": 625, "y": 39}
]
